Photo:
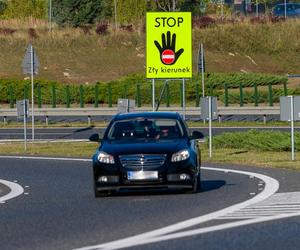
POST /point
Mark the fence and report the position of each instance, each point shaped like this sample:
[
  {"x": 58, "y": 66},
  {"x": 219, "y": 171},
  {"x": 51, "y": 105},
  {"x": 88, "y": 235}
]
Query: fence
[{"x": 106, "y": 96}]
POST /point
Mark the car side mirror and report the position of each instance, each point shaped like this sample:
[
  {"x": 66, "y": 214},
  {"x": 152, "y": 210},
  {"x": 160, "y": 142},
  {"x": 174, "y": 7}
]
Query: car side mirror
[
  {"x": 196, "y": 135},
  {"x": 95, "y": 138}
]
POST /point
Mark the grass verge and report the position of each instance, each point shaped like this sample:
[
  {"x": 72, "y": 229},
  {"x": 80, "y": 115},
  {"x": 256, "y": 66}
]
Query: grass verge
[
  {"x": 86, "y": 150},
  {"x": 252, "y": 158}
]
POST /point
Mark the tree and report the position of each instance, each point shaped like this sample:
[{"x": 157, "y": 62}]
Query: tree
[
  {"x": 80, "y": 12},
  {"x": 24, "y": 8},
  {"x": 3, "y": 6},
  {"x": 131, "y": 11},
  {"x": 192, "y": 6},
  {"x": 168, "y": 5}
]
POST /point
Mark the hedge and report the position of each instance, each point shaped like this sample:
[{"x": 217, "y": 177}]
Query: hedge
[{"x": 12, "y": 90}]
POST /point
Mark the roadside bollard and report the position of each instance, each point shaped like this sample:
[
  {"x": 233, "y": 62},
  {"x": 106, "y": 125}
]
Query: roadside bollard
[
  {"x": 220, "y": 118},
  {"x": 47, "y": 120},
  {"x": 265, "y": 119},
  {"x": 89, "y": 120},
  {"x": 4, "y": 120}
]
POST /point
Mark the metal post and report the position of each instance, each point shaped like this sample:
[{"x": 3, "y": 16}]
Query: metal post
[
  {"x": 153, "y": 95},
  {"x": 222, "y": 9},
  {"x": 32, "y": 94},
  {"x": 210, "y": 130},
  {"x": 25, "y": 128},
  {"x": 285, "y": 9},
  {"x": 256, "y": 8},
  {"x": 183, "y": 99},
  {"x": 50, "y": 15},
  {"x": 292, "y": 128},
  {"x": 116, "y": 25},
  {"x": 202, "y": 69}
]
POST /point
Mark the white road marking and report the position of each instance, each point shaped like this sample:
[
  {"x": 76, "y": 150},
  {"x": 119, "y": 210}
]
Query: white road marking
[
  {"x": 169, "y": 232},
  {"x": 278, "y": 204},
  {"x": 44, "y": 158},
  {"x": 15, "y": 190}
]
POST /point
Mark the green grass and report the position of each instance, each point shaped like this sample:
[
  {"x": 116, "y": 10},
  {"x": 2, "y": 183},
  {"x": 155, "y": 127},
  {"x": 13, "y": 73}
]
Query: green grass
[
  {"x": 71, "y": 56},
  {"x": 257, "y": 140},
  {"x": 86, "y": 149},
  {"x": 252, "y": 158}
]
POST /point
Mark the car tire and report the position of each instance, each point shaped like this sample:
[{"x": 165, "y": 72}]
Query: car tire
[
  {"x": 99, "y": 194},
  {"x": 196, "y": 185}
]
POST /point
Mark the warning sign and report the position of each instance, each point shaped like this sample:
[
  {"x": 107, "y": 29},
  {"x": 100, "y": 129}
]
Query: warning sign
[{"x": 169, "y": 45}]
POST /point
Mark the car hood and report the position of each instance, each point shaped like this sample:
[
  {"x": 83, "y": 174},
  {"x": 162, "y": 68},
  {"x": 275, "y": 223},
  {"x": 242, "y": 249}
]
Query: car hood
[{"x": 161, "y": 147}]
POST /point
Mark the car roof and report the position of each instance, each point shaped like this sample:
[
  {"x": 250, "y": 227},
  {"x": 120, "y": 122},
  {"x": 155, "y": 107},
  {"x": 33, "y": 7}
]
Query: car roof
[{"x": 168, "y": 115}]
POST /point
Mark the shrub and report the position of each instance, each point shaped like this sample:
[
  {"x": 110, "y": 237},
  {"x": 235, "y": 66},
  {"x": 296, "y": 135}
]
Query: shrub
[
  {"x": 32, "y": 34},
  {"x": 102, "y": 29},
  {"x": 25, "y": 8},
  {"x": 77, "y": 13},
  {"x": 130, "y": 83},
  {"x": 203, "y": 22},
  {"x": 6, "y": 31}
]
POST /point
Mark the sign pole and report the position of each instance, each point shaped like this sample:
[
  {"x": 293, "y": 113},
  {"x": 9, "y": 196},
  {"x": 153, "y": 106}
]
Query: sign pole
[
  {"x": 25, "y": 127},
  {"x": 183, "y": 99},
  {"x": 210, "y": 130},
  {"x": 292, "y": 128},
  {"x": 202, "y": 68},
  {"x": 284, "y": 9},
  {"x": 153, "y": 94},
  {"x": 32, "y": 93}
]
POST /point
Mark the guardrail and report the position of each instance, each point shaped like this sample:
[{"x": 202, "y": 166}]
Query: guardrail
[{"x": 108, "y": 112}]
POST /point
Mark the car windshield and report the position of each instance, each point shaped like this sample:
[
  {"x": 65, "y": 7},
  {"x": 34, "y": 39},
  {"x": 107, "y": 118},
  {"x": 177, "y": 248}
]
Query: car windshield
[{"x": 145, "y": 129}]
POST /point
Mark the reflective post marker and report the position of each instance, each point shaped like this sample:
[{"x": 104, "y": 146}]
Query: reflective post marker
[
  {"x": 25, "y": 127},
  {"x": 183, "y": 99},
  {"x": 153, "y": 94},
  {"x": 32, "y": 94},
  {"x": 202, "y": 68},
  {"x": 210, "y": 130},
  {"x": 256, "y": 8},
  {"x": 292, "y": 128}
]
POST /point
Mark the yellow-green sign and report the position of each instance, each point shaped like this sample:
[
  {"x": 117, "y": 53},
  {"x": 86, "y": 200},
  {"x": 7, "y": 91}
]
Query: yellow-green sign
[{"x": 169, "y": 45}]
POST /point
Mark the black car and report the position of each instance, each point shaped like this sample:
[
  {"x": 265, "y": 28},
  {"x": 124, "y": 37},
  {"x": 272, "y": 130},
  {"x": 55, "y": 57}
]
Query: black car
[{"x": 146, "y": 150}]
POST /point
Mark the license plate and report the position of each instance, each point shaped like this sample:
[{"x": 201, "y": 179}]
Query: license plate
[{"x": 142, "y": 175}]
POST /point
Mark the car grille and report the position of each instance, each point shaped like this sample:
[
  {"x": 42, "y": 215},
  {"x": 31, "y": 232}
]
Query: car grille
[{"x": 139, "y": 161}]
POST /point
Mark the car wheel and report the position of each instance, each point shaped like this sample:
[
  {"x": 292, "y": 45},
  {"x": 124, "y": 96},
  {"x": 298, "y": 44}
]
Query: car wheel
[
  {"x": 101, "y": 193},
  {"x": 98, "y": 193},
  {"x": 196, "y": 185}
]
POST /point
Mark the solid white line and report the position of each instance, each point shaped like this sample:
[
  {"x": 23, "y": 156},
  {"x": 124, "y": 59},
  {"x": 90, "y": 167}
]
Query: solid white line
[
  {"x": 15, "y": 190},
  {"x": 3, "y": 141},
  {"x": 271, "y": 187},
  {"x": 43, "y": 158}
]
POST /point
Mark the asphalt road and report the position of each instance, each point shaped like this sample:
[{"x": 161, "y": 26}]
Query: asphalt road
[
  {"x": 84, "y": 133},
  {"x": 58, "y": 210}
]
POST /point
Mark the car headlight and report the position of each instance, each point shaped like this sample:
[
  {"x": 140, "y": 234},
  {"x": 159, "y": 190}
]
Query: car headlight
[
  {"x": 105, "y": 158},
  {"x": 180, "y": 156}
]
